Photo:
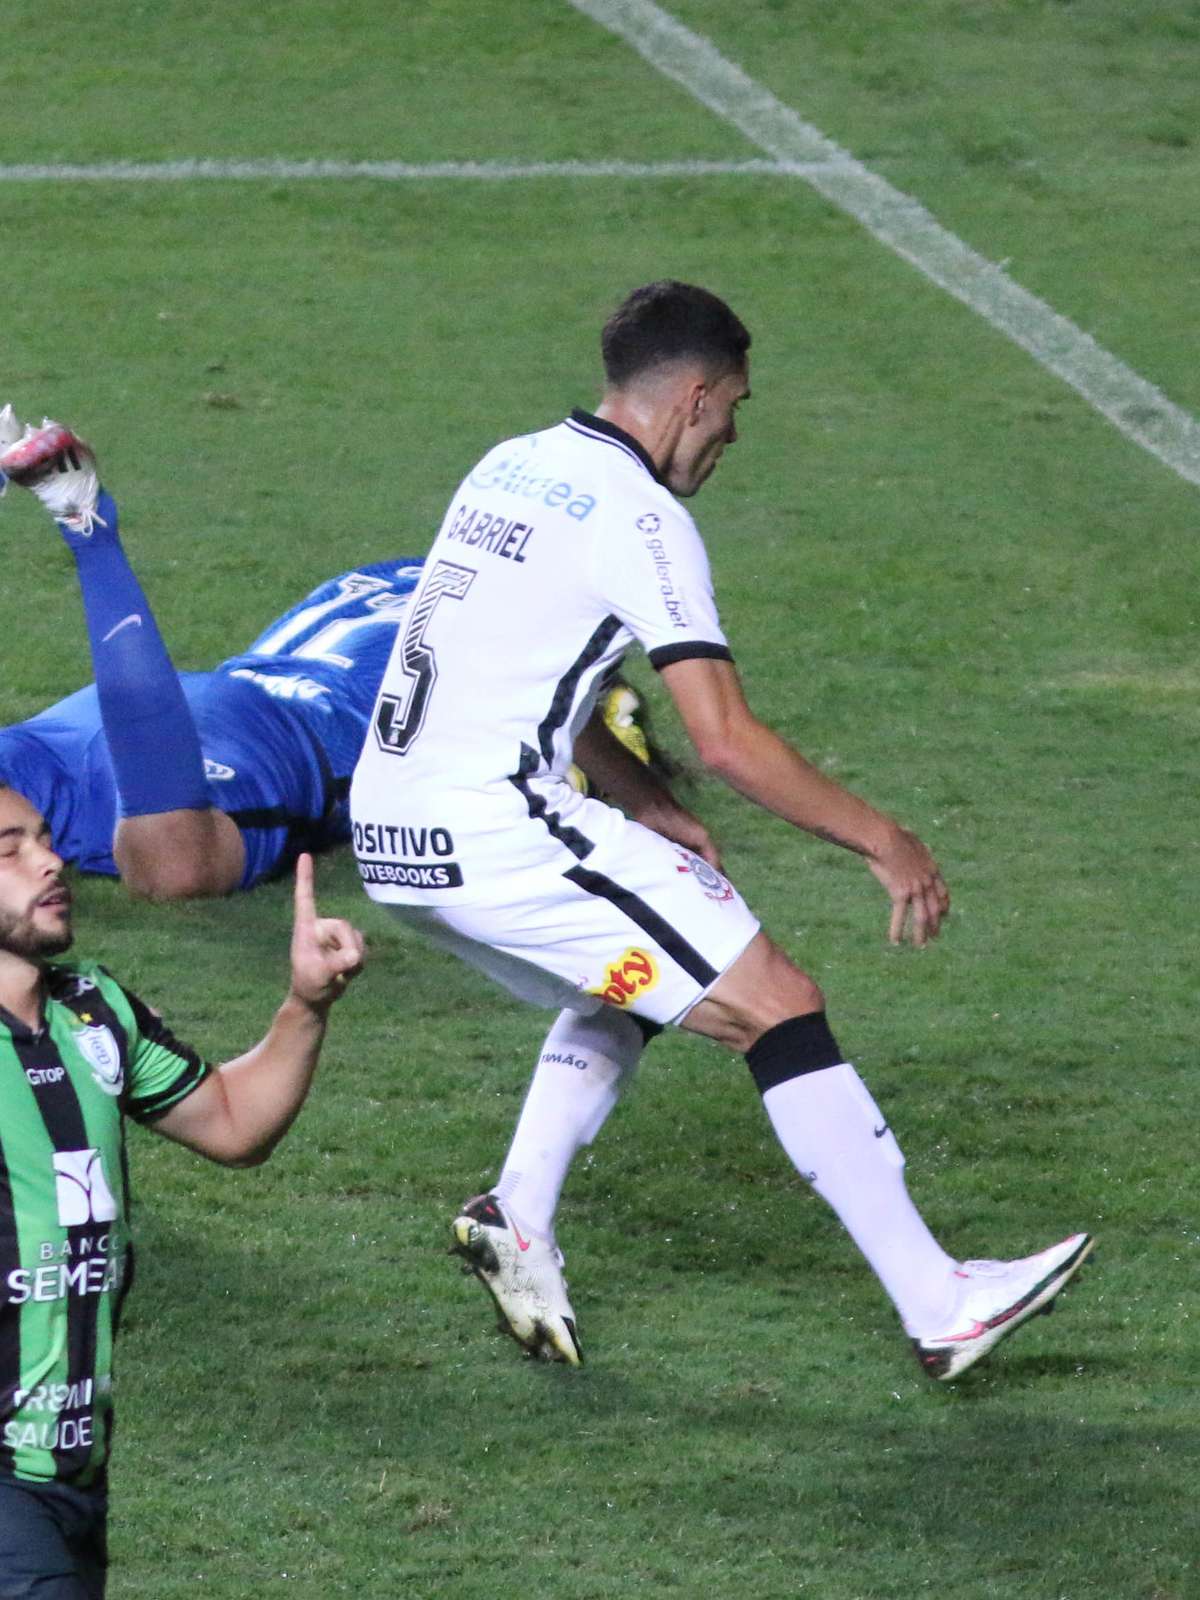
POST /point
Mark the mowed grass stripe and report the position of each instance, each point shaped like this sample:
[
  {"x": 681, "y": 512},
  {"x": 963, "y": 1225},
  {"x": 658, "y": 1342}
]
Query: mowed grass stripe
[
  {"x": 1134, "y": 406},
  {"x": 385, "y": 171}
]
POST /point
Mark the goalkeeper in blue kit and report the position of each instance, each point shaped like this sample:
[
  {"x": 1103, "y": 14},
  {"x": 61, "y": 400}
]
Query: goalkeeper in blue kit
[
  {"x": 194, "y": 783},
  {"x": 202, "y": 783}
]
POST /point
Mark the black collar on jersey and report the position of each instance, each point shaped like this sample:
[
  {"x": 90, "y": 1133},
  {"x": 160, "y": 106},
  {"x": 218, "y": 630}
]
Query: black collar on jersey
[
  {"x": 60, "y": 984},
  {"x": 610, "y": 431}
]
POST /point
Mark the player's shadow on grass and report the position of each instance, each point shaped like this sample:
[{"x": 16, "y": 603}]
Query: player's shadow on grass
[
  {"x": 333, "y": 1371},
  {"x": 1015, "y": 1483},
  {"x": 1039, "y": 1491},
  {"x": 1015, "y": 1371}
]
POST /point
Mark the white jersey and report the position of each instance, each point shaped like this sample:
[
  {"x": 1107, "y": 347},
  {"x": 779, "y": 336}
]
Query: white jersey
[{"x": 558, "y": 552}]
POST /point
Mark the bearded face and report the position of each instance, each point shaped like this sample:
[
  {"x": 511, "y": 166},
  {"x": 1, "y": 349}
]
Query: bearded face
[{"x": 35, "y": 904}]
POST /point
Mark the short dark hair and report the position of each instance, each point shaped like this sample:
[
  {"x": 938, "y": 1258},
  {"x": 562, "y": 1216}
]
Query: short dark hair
[{"x": 671, "y": 321}]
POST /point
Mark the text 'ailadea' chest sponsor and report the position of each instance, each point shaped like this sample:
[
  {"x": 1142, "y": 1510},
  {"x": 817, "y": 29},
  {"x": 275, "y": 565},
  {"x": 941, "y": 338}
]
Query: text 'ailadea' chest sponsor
[
  {"x": 520, "y": 475},
  {"x": 411, "y": 858}
]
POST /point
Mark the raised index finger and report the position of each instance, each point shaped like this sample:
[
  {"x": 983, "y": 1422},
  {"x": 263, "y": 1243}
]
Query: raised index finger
[{"x": 305, "y": 904}]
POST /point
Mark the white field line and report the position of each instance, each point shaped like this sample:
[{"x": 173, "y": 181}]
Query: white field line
[
  {"x": 1135, "y": 407},
  {"x": 388, "y": 171}
]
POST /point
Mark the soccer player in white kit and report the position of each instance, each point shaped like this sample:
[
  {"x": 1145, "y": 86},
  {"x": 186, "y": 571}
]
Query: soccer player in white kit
[{"x": 558, "y": 552}]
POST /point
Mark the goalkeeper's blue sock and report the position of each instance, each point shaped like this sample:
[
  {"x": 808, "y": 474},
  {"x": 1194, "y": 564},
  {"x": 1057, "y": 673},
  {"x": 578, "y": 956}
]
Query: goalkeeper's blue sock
[{"x": 151, "y": 737}]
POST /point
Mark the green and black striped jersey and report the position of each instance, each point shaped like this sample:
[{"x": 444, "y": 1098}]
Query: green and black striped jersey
[{"x": 65, "y": 1250}]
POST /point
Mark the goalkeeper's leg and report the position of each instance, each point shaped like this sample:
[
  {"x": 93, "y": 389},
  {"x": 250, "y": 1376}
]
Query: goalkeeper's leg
[{"x": 169, "y": 841}]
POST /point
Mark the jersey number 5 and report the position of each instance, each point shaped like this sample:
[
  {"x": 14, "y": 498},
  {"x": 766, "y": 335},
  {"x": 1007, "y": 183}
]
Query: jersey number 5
[{"x": 400, "y": 718}]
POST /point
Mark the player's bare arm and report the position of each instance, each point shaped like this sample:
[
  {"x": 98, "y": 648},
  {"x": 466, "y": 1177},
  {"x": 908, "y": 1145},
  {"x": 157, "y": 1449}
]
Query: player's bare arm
[
  {"x": 736, "y": 747},
  {"x": 240, "y": 1113},
  {"x": 639, "y": 791}
]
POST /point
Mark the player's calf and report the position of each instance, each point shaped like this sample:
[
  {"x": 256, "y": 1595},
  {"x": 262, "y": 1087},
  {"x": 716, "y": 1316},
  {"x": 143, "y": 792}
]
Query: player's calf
[{"x": 152, "y": 739}]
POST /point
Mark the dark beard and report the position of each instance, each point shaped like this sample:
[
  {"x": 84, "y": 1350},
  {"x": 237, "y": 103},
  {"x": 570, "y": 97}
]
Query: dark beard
[{"x": 18, "y": 937}]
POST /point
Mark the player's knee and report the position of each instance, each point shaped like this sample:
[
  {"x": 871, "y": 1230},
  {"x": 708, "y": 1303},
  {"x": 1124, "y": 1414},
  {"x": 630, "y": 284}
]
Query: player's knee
[
  {"x": 763, "y": 988},
  {"x": 797, "y": 997},
  {"x": 178, "y": 881},
  {"x": 179, "y": 855},
  {"x": 785, "y": 990},
  {"x": 160, "y": 875}
]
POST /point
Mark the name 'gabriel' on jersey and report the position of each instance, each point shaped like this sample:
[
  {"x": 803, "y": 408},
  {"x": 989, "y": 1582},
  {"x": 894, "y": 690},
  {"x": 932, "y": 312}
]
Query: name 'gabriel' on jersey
[{"x": 559, "y": 551}]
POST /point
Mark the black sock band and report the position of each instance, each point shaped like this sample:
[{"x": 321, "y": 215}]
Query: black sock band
[
  {"x": 648, "y": 1030},
  {"x": 792, "y": 1048}
]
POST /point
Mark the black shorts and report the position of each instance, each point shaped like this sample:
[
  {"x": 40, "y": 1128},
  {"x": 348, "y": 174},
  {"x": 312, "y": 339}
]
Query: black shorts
[{"x": 52, "y": 1541}]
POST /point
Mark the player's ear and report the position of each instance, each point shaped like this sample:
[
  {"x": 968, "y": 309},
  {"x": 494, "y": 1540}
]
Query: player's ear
[{"x": 697, "y": 398}]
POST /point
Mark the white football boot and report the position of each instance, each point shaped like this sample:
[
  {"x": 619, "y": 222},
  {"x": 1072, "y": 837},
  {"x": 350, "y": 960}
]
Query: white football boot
[
  {"x": 997, "y": 1297},
  {"x": 10, "y": 429},
  {"x": 58, "y": 467},
  {"x": 524, "y": 1278}
]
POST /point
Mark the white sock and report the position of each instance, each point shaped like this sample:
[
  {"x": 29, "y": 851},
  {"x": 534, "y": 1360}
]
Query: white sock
[
  {"x": 839, "y": 1140},
  {"x": 575, "y": 1085}
]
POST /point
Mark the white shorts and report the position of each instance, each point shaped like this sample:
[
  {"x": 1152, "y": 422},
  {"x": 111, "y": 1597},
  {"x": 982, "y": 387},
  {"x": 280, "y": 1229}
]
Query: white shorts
[{"x": 640, "y": 924}]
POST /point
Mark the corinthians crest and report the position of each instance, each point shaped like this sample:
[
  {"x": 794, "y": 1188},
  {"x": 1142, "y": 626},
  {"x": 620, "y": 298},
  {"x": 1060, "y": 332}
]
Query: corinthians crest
[
  {"x": 710, "y": 880},
  {"x": 100, "y": 1050}
]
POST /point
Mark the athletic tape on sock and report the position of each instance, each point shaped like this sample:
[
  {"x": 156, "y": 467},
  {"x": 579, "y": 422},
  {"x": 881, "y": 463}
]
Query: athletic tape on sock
[
  {"x": 792, "y": 1048},
  {"x": 648, "y": 1030}
]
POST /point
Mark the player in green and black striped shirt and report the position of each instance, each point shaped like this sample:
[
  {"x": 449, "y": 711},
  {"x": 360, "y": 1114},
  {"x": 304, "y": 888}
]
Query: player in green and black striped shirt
[{"x": 77, "y": 1054}]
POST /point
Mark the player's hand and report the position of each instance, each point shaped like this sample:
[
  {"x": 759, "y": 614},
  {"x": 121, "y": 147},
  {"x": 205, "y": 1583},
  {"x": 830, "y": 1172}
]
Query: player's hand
[
  {"x": 681, "y": 827},
  {"x": 915, "y": 885},
  {"x": 326, "y": 951}
]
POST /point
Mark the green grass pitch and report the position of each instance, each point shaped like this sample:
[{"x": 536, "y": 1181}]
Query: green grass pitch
[{"x": 945, "y": 576}]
